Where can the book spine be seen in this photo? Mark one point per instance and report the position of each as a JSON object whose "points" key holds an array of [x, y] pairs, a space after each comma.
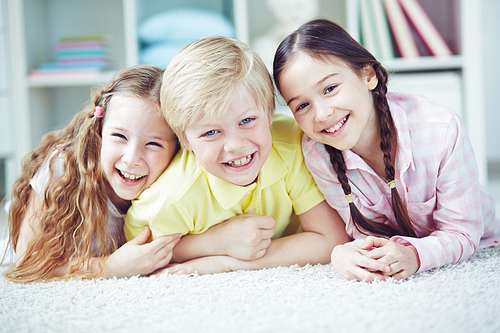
{"points": [[91, 52], [368, 37], [78, 39], [401, 30], [383, 32], [78, 45], [425, 27]]}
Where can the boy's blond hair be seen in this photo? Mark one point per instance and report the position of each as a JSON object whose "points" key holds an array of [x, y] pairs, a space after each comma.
{"points": [[200, 81]]}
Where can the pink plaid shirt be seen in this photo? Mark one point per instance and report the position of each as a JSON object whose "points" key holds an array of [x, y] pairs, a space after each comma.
{"points": [[436, 173]]}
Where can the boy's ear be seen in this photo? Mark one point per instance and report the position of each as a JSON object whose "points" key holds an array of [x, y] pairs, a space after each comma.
{"points": [[271, 118], [371, 77], [188, 145]]}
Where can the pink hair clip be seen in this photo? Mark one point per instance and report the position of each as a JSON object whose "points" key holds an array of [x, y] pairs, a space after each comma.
{"points": [[99, 112]]}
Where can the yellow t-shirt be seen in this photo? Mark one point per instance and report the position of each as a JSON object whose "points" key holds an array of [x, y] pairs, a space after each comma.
{"points": [[188, 199]]}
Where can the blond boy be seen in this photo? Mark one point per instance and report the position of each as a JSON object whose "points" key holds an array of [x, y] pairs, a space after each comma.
{"points": [[237, 166]]}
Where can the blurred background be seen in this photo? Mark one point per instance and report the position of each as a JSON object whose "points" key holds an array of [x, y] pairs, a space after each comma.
{"points": [[53, 51]]}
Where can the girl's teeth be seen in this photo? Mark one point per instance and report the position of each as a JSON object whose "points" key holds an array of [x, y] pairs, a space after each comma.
{"points": [[337, 126], [240, 162], [130, 176]]}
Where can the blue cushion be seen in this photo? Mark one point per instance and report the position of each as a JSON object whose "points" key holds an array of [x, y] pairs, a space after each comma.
{"points": [[160, 54], [184, 24]]}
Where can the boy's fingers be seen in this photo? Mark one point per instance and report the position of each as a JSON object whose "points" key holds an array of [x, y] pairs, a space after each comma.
{"points": [[264, 244], [266, 233], [266, 222], [260, 253]]}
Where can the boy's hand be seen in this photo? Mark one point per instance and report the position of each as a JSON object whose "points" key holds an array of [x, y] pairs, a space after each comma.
{"points": [[402, 260], [352, 263], [245, 236], [138, 257]]}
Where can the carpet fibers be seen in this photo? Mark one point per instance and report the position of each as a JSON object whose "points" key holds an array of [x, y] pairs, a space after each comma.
{"points": [[454, 298]]}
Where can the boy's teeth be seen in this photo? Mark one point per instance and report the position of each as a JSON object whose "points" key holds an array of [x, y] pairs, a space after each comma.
{"points": [[241, 162], [337, 126]]}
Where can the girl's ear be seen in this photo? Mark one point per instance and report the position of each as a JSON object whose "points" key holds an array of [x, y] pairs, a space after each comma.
{"points": [[371, 77]]}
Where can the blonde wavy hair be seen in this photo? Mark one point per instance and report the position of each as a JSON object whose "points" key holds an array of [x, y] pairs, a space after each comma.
{"points": [[74, 214], [200, 81]]}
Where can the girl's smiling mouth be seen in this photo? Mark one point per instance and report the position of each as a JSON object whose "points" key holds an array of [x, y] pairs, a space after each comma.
{"points": [[128, 177], [337, 126]]}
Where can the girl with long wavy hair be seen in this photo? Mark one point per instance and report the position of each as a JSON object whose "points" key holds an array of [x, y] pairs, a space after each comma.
{"points": [[399, 169], [67, 207]]}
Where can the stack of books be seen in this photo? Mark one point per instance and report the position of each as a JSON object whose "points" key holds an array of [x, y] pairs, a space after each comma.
{"points": [[402, 28], [78, 56]]}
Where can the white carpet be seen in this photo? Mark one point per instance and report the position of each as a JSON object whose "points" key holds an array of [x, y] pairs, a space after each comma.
{"points": [[459, 298]]}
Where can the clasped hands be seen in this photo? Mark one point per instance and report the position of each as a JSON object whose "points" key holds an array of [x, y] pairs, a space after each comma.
{"points": [[377, 258]]}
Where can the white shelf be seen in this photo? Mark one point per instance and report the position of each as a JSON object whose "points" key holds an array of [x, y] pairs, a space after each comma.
{"points": [[86, 79], [420, 64]]}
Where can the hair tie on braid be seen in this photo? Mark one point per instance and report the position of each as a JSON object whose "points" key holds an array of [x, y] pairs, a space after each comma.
{"points": [[392, 183], [350, 198]]}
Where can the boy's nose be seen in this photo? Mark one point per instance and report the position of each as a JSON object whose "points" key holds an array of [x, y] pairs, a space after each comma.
{"points": [[234, 142]]}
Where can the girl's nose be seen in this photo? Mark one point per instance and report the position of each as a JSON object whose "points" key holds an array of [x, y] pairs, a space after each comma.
{"points": [[322, 113], [132, 155]]}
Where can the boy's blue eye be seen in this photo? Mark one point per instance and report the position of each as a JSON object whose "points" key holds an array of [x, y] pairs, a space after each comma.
{"points": [[246, 120], [210, 133]]}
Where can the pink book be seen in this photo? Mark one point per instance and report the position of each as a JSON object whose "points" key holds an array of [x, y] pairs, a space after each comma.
{"points": [[425, 27], [78, 45], [401, 30]]}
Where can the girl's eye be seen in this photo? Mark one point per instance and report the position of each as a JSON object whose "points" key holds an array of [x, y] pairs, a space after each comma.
{"points": [[210, 133], [118, 135], [301, 106], [330, 89], [152, 143], [246, 120]]}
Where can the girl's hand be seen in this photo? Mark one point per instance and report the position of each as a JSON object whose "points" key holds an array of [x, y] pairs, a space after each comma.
{"points": [[402, 260], [136, 257], [245, 236], [352, 263], [204, 265]]}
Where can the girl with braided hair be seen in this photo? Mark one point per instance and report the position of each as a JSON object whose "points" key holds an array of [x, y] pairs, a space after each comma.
{"points": [[399, 169], [68, 205]]}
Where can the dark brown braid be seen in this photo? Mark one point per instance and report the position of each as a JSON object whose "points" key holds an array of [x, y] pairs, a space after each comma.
{"points": [[323, 39], [360, 222], [387, 127]]}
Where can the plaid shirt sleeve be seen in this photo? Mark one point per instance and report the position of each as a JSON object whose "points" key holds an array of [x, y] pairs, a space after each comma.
{"points": [[457, 213]]}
